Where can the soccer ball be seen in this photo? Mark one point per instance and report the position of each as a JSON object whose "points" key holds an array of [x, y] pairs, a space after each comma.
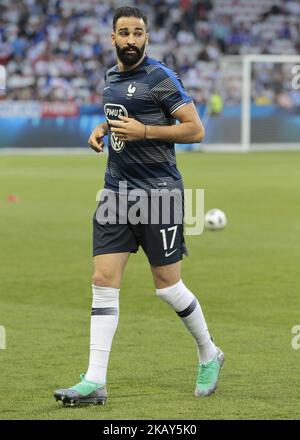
{"points": [[215, 219]]}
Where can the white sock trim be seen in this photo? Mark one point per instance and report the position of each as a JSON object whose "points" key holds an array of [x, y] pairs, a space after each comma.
{"points": [[169, 288], [188, 308], [103, 325], [105, 296], [177, 296]]}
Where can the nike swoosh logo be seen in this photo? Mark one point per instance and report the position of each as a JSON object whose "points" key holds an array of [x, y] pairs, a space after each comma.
{"points": [[169, 254], [105, 88]]}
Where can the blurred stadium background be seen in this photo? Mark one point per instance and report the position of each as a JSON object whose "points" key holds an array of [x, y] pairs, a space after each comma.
{"points": [[55, 54], [238, 59]]}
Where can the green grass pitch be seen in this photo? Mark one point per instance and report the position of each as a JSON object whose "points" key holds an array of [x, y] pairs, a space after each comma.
{"points": [[246, 278]]}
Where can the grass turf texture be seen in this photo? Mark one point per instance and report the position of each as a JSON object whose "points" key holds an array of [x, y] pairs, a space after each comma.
{"points": [[246, 278]]}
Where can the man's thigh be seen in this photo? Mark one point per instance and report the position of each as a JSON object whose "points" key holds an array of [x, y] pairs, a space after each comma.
{"points": [[164, 245], [112, 238], [162, 235]]}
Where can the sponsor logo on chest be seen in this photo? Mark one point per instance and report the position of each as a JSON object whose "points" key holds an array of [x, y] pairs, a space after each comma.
{"points": [[113, 111]]}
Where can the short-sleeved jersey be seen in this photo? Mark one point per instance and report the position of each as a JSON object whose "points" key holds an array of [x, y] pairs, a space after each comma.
{"points": [[150, 93]]}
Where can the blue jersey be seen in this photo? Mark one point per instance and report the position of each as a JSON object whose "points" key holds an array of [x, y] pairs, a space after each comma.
{"points": [[150, 93]]}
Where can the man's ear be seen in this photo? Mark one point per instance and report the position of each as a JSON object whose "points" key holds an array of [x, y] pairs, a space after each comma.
{"points": [[147, 38], [113, 38]]}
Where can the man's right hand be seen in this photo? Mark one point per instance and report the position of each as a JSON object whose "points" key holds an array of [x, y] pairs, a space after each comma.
{"points": [[96, 141]]}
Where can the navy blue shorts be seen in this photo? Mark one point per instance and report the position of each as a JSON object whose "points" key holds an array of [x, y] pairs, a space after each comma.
{"points": [[126, 225]]}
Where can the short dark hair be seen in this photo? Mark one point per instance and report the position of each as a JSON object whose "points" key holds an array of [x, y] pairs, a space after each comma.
{"points": [[128, 11]]}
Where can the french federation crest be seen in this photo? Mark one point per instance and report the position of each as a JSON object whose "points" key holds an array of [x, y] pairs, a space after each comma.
{"points": [[113, 111]]}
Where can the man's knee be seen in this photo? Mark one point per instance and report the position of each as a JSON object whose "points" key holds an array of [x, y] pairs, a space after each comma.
{"points": [[108, 269], [165, 278], [105, 278]]}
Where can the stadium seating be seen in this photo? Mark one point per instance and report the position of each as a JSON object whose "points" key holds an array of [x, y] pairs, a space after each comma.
{"points": [[59, 50]]}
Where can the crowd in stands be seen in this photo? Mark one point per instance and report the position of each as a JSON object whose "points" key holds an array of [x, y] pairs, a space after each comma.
{"points": [[60, 49]]}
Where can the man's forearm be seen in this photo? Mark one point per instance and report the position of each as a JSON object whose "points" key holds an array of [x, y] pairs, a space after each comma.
{"points": [[186, 132]]}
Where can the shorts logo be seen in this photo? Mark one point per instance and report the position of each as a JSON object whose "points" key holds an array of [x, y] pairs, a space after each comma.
{"points": [[113, 111], [168, 254]]}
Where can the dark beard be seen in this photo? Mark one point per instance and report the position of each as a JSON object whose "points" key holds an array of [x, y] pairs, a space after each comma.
{"points": [[129, 59]]}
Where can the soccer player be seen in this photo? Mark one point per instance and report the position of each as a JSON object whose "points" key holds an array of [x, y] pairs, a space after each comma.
{"points": [[142, 101]]}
